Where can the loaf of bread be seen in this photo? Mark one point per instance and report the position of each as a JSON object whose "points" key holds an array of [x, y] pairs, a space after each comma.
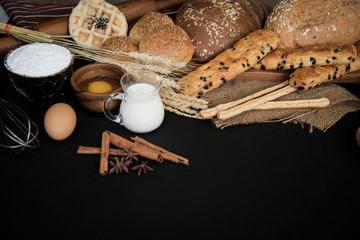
{"points": [[120, 43], [285, 59], [309, 77], [146, 23], [308, 22], [168, 41], [216, 25], [242, 56]]}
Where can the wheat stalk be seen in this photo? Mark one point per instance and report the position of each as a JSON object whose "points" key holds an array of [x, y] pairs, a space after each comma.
{"points": [[170, 70], [130, 61]]}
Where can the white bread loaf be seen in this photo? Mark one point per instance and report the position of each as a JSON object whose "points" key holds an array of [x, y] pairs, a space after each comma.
{"points": [[301, 23]]}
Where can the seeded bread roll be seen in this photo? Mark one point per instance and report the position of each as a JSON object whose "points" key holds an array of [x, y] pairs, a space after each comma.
{"points": [[146, 23], [216, 25], [168, 41], [120, 43], [309, 77], [225, 66], [308, 22], [285, 59]]}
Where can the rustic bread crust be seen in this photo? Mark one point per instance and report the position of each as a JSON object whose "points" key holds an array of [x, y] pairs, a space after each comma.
{"points": [[146, 23], [168, 41], [215, 25], [242, 56], [120, 43], [285, 59], [309, 77], [308, 22]]}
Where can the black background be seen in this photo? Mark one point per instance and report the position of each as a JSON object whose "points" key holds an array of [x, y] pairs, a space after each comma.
{"points": [[257, 181]]}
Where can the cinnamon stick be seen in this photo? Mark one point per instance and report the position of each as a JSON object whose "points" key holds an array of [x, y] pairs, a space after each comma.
{"points": [[165, 153], [105, 146], [97, 150], [142, 150]]}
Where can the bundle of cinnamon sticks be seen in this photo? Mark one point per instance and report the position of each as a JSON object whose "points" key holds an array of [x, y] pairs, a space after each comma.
{"points": [[139, 146]]}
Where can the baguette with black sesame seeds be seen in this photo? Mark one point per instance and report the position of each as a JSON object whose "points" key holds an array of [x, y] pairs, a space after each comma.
{"points": [[285, 59], [309, 77], [225, 66]]}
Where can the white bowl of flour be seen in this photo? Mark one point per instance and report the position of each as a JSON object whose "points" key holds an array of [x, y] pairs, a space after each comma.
{"points": [[39, 71]]}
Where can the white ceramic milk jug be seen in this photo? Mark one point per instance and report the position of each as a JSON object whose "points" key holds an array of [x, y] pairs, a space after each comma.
{"points": [[141, 108]]}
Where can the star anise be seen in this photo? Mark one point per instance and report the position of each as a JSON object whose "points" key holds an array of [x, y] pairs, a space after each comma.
{"points": [[143, 167], [130, 154], [119, 165]]}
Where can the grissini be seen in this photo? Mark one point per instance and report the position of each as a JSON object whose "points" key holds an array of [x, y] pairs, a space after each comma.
{"points": [[212, 112]]}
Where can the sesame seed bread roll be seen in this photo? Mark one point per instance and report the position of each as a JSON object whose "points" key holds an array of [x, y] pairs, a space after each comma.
{"points": [[309, 77], [285, 59], [215, 25], [168, 41], [146, 23], [225, 66], [121, 44], [301, 23]]}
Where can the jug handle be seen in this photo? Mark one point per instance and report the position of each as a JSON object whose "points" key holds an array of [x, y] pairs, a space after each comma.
{"points": [[106, 107]]}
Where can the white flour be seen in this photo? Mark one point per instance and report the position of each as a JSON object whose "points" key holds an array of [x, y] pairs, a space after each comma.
{"points": [[39, 59]]}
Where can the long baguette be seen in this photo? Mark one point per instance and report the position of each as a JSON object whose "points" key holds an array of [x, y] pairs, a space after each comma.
{"points": [[309, 77], [225, 66], [285, 59]]}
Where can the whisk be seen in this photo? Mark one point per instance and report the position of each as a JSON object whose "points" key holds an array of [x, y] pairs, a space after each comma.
{"points": [[19, 130]]}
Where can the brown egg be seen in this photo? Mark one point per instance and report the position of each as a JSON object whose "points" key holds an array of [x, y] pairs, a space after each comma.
{"points": [[60, 121]]}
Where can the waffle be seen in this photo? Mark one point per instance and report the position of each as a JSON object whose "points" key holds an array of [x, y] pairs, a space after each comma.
{"points": [[93, 21]]}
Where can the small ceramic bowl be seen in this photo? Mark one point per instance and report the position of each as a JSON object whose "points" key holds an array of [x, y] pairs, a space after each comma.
{"points": [[87, 74], [39, 71]]}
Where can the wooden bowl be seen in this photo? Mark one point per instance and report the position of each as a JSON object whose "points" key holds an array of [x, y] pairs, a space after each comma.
{"points": [[83, 76]]}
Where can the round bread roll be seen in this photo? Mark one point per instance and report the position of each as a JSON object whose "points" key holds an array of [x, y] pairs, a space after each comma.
{"points": [[308, 22], [215, 25], [146, 23], [168, 41], [120, 43]]}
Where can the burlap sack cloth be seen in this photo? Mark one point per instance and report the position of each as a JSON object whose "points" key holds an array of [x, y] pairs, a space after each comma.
{"points": [[341, 103]]}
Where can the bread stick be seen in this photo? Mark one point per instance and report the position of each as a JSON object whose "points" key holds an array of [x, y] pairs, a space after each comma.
{"points": [[244, 54], [255, 102], [285, 59], [212, 112], [311, 103]]}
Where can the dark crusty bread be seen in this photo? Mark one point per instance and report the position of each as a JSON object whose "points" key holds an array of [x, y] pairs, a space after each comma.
{"points": [[302, 23], [120, 43], [225, 66], [146, 23], [309, 77], [169, 41], [285, 59], [215, 25]]}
